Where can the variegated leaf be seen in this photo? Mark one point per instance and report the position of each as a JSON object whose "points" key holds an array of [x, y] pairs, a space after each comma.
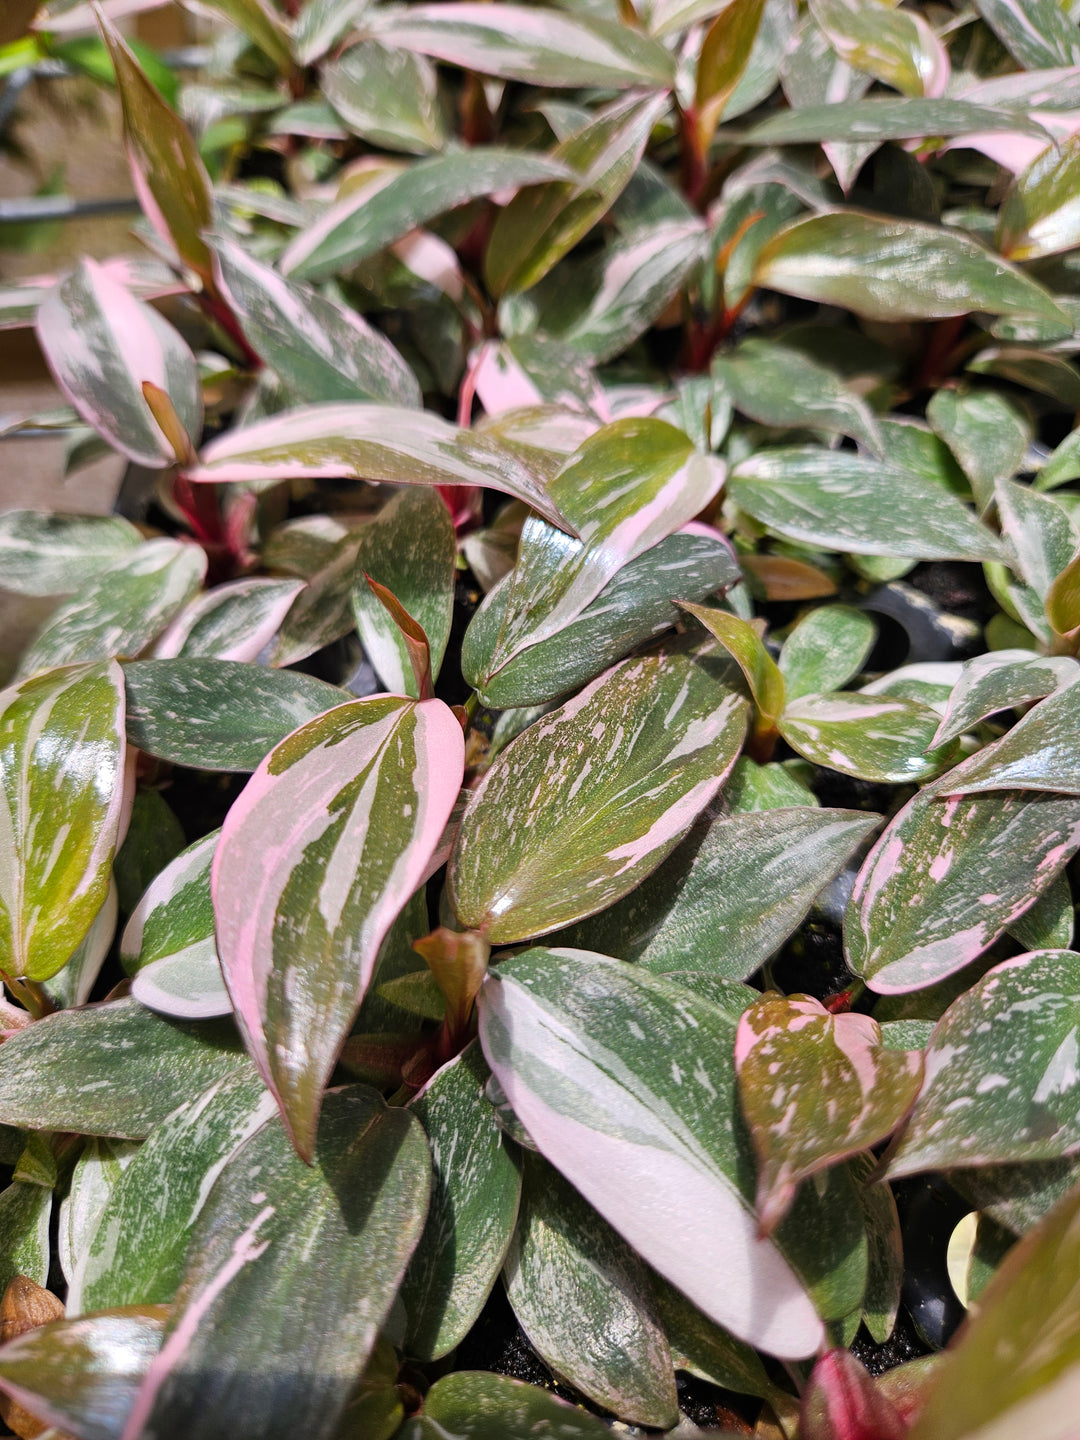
{"points": [[219, 714], [476, 1405], [115, 1069], [1002, 680], [102, 346], [318, 349], [136, 1253], [175, 914], [874, 737], [730, 895], [72, 984], [252, 1298], [947, 877], [988, 434], [1038, 753], [825, 650], [633, 758], [628, 487], [25, 1213], [371, 442], [231, 622], [815, 1088], [1037, 32], [585, 1301], [82, 1376], [63, 802], [317, 856], [476, 1184], [387, 96], [745, 646], [410, 548], [1002, 1072], [893, 45], [122, 610], [571, 1037], [96, 1174], [43, 554]]}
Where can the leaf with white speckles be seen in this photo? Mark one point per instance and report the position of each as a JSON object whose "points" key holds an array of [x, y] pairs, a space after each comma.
{"points": [[63, 800], [231, 622], [476, 1184], [25, 1210], [219, 714], [175, 911], [317, 857], [96, 1174], [1038, 753], [947, 877], [654, 1143], [589, 800], [136, 1254], [826, 649], [873, 737], [476, 1405], [44, 554], [1002, 1071], [1002, 680], [122, 609], [815, 1088], [289, 1260], [730, 895]]}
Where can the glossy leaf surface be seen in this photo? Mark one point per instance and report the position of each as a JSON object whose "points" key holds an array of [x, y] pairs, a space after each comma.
{"points": [[235, 621], [825, 650], [639, 784], [874, 737], [43, 554], [480, 1406], [1002, 680], [1038, 753]]}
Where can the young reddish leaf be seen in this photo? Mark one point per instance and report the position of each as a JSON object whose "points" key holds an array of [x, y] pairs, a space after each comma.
{"points": [[412, 633], [743, 642], [815, 1088], [169, 176], [104, 348], [63, 803], [372, 442], [458, 963], [724, 55], [948, 876], [841, 1402], [1002, 1078], [317, 856]]}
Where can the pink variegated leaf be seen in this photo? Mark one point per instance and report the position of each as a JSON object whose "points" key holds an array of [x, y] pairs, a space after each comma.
{"points": [[102, 346], [328, 840], [64, 802], [372, 442], [231, 622], [842, 1402], [815, 1089], [948, 876], [584, 804]]}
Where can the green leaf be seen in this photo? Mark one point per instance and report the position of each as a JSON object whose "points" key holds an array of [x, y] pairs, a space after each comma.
{"points": [[1001, 680], [371, 442], [1038, 532], [947, 877], [1050, 922], [815, 1088], [1038, 753], [135, 1255], [571, 1037], [169, 176], [476, 1185], [540, 225], [323, 610], [826, 649], [626, 488], [1037, 370], [633, 607], [986, 432], [97, 1171], [476, 1405], [122, 610], [263, 26], [115, 1069], [1063, 464], [851, 503], [873, 737], [219, 714], [722, 61], [1001, 1072], [62, 763], [44, 554], [372, 217], [727, 898], [317, 857], [885, 269], [72, 984], [885, 1270], [83, 1375], [884, 118], [1062, 603], [1040, 214], [895, 46], [635, 279], [387, 97], [25, 1211], [778, 386], [288, 1259], [175, 913], [103, 345], [1037, 32], [746, 647], [584, 1300], [537, 45], [409, 547], [632, 759], [318, 349], [321, 23]]}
